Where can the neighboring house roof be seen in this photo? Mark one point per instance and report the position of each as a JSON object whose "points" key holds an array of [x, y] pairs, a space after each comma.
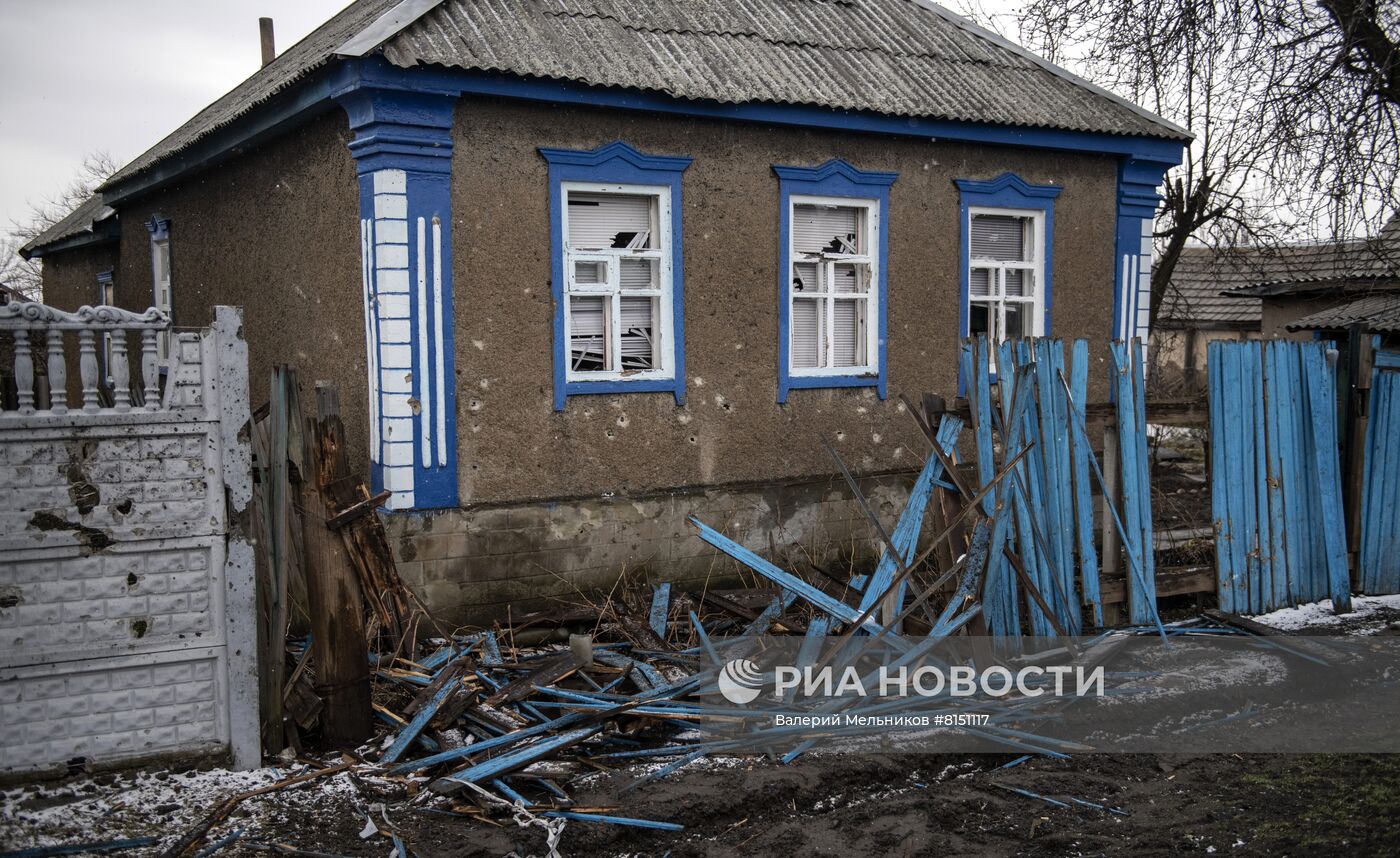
{"points": [[83, 225], [1326, 266], [1193, 299], [1378, 312], [1222, 288], [907, 58]]}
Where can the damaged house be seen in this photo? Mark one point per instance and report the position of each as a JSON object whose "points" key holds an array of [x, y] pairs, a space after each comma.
{"points": [[583, 269]]}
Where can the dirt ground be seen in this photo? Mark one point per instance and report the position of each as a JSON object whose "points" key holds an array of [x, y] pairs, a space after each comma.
{"points": [[824, 804], [859, 805]]}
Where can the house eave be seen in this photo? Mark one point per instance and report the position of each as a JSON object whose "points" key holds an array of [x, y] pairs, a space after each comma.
{"points": [[314, 96]]}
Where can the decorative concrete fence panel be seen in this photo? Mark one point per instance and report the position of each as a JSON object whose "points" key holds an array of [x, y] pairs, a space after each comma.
{"points": [[126, 578]]}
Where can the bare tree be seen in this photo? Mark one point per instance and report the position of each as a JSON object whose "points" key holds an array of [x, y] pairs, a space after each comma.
{"points": [[1292, 105], [26, 275]]}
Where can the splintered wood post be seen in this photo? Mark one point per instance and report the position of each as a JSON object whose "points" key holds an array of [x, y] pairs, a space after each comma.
{"points": [[337, 613], [1112, 613], [389, 600]]}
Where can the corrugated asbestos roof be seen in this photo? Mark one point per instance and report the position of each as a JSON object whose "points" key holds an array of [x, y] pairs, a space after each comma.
{"points": [[895, 57], [80, 220], [1379, 312]]}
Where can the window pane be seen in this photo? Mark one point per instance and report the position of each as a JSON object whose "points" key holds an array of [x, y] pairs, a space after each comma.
{"points": [[851, 278], [978, 319], [1001, 237], [590, 273], [980, 282], [832, 229], [640, 274], [1017, 282], [162, 263], [848, 333], [804, 277], [806, 342], [638, 341], [1018, 320], [601, 221], [588, 341]]}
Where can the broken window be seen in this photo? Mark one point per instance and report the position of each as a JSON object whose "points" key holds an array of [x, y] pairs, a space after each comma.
{"points": [[617, 298], [832, 299], [1004, 274]]}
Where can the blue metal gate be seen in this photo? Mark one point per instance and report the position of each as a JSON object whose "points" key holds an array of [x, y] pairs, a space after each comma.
{"points": [[1380, 498], [1276, 495]]}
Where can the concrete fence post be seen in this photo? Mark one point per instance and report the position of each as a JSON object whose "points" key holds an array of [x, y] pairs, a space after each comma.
{"points": [[228, 380]]}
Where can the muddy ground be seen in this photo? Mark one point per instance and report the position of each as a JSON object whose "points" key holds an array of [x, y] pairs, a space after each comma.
{"points": [[823, 804], [902, 805]]}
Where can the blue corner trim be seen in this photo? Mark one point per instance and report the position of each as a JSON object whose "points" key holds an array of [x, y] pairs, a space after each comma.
{"points": [[158, 227], [1007, 191], [835, 178], [618, 163], [1138, 180], [401, 126]]}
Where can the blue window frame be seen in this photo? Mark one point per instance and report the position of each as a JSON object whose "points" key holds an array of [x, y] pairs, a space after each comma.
{"points": [[615, 235], [1007, 227], [832, 288]]}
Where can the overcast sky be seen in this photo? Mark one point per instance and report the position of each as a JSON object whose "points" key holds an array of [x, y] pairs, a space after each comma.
{"points": [[79, 76]]}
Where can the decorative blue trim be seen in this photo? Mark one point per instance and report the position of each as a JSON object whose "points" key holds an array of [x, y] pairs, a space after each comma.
{"points": [[565, 92], [835, 178], [403, 126], [1138, 180], [313, 97], [1007, 191], [159, 228], [616, 163]]}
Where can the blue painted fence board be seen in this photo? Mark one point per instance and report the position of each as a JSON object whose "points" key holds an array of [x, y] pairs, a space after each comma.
{"points": [[1380, 503], [1275, 475]]}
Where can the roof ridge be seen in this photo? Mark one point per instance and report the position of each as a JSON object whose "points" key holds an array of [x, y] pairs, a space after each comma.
{"points": [[1059, 71], [742, 34]]}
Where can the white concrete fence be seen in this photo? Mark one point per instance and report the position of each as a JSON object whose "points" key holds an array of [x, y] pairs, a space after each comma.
{"points": [[127, 625]]}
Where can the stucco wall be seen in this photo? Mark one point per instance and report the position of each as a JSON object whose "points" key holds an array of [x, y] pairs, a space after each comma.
{"points": [[70, 279], [274, 231], [513, 446]]}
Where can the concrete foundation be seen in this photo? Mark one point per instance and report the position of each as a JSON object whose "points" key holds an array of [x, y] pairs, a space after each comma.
{"points": [[470, 566]]}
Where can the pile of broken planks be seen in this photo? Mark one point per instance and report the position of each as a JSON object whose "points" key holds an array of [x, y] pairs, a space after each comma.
{"points": [[495, 720], [495, 723]]}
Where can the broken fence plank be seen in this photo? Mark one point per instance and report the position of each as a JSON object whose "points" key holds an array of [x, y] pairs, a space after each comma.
{"points": [[1035, 795], [419, 721], [512, 760], [911, 519], [488, 744], [77, 848], [786, 580], [614, 820], [660, 609]]}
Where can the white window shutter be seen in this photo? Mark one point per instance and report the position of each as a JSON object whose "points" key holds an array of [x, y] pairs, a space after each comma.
{"points": [[805, 334], [596, 221], [848, 344], [815, 226], [999, 237]]}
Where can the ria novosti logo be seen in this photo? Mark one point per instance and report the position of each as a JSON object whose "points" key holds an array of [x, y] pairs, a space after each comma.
{"points": [[741, 681]]}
